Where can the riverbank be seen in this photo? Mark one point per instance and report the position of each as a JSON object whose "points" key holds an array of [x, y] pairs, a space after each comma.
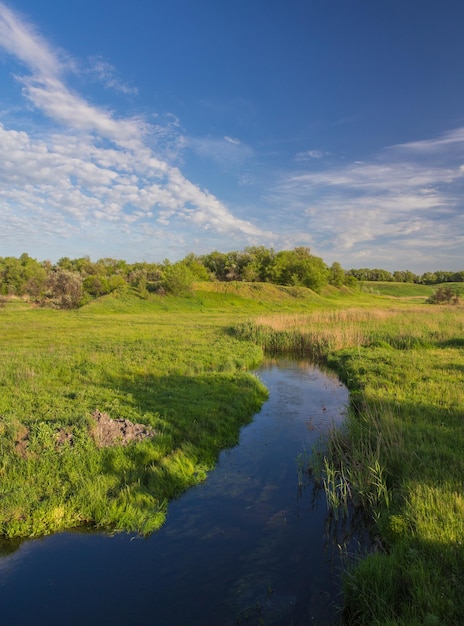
{"points": [[247, 546], [399, 455], [161, 365]]}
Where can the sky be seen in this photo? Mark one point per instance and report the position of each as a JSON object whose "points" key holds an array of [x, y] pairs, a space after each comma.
{"points": [[150, 129]]}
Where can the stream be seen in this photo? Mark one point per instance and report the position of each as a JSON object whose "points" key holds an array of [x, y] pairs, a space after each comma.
{"points": [[248, 546]]}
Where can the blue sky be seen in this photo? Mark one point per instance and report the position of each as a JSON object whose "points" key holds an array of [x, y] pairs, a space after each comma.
{"points": [[151, 129]]}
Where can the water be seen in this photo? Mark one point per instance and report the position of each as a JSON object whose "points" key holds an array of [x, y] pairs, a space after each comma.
{"points": [[248, 546]]}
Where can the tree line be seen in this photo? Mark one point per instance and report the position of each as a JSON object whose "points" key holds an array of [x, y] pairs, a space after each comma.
{"points": [[69, 283], [406, 276]]}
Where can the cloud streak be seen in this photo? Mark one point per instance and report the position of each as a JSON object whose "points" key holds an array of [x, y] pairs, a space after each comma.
{"points": [[92, 166], [396, 208]]}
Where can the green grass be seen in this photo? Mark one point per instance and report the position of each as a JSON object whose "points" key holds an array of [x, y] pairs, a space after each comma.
{"points": [[399, 290], [398, 455], [407, 291], [154, 362]]}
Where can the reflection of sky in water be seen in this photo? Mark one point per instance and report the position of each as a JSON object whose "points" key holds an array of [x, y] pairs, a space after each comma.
{"points": [[246, 546]]}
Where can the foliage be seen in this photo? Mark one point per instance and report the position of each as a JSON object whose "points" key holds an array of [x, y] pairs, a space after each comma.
{"points": [[406, 276], [177, 279], [444, 295], [26, 277], [64, 289], [299, 267]]}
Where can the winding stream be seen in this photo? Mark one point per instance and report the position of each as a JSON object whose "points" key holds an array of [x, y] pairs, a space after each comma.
{"points": [[245, 547]]}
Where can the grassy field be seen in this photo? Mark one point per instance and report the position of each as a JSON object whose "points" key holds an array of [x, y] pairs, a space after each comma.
{"points": [[180, 366], [166, 364], [407, 291]]}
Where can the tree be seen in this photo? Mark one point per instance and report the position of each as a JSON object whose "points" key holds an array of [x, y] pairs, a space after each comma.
{"points": [[177, 279], [405, 276], [299, 267], [96, 285], [260, 262], [197, 268], [336, 275], [65, 288]]}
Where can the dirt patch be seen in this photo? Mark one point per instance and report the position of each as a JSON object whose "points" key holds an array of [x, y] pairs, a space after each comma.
{"points": [[22, 441], [64, 436], [117, 432]]}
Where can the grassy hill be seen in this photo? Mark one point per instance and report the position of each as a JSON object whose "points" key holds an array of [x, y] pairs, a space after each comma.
{"points": [[410, 291]]}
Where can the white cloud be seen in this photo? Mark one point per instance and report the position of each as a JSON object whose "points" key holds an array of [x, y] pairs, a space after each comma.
{"points": [[397, 202], [105, 73], [94, 167], [225, 151], [308, 155], [454, 136], [23, 42], [232, 140]]}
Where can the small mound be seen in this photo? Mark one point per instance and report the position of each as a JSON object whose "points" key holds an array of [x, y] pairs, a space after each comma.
{"points": [[117, 432]]}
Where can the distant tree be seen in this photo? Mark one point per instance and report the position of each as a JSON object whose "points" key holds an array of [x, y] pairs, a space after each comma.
{"points": [[177, 279], [337, 275], [428, 278], [443, 277], [116, 282], [11, 276], [65, 263], [405, 276], [197, 268], [65, 289], [299, 267], [458, 277], [216, 263], [368, 274], [96, 285], [23, 276], [259, 264]]}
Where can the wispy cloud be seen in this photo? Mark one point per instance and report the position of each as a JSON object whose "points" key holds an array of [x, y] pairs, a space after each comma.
{"points": [[93, 166], [103, 72], [397, 207], [226, 151], [308, 155], [445, 140], [232, 140]]}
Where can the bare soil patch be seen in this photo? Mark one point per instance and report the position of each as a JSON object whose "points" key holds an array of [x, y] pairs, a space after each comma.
{"points": [[117, 432], [22, 441]]}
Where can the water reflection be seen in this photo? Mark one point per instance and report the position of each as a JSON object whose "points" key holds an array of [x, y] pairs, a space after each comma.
{"points": [[245, 547]]}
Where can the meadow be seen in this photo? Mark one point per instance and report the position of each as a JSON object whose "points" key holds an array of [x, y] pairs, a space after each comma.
{"points": [[156, 363], [181, 367]]}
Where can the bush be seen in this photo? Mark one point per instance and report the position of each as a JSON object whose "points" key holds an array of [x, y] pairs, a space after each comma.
{"points": [[444, 295], [177, 279], [65, 289]]}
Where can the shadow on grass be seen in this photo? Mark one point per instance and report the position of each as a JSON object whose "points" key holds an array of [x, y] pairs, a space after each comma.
{"points": [[455, 342], [195, 417]]}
